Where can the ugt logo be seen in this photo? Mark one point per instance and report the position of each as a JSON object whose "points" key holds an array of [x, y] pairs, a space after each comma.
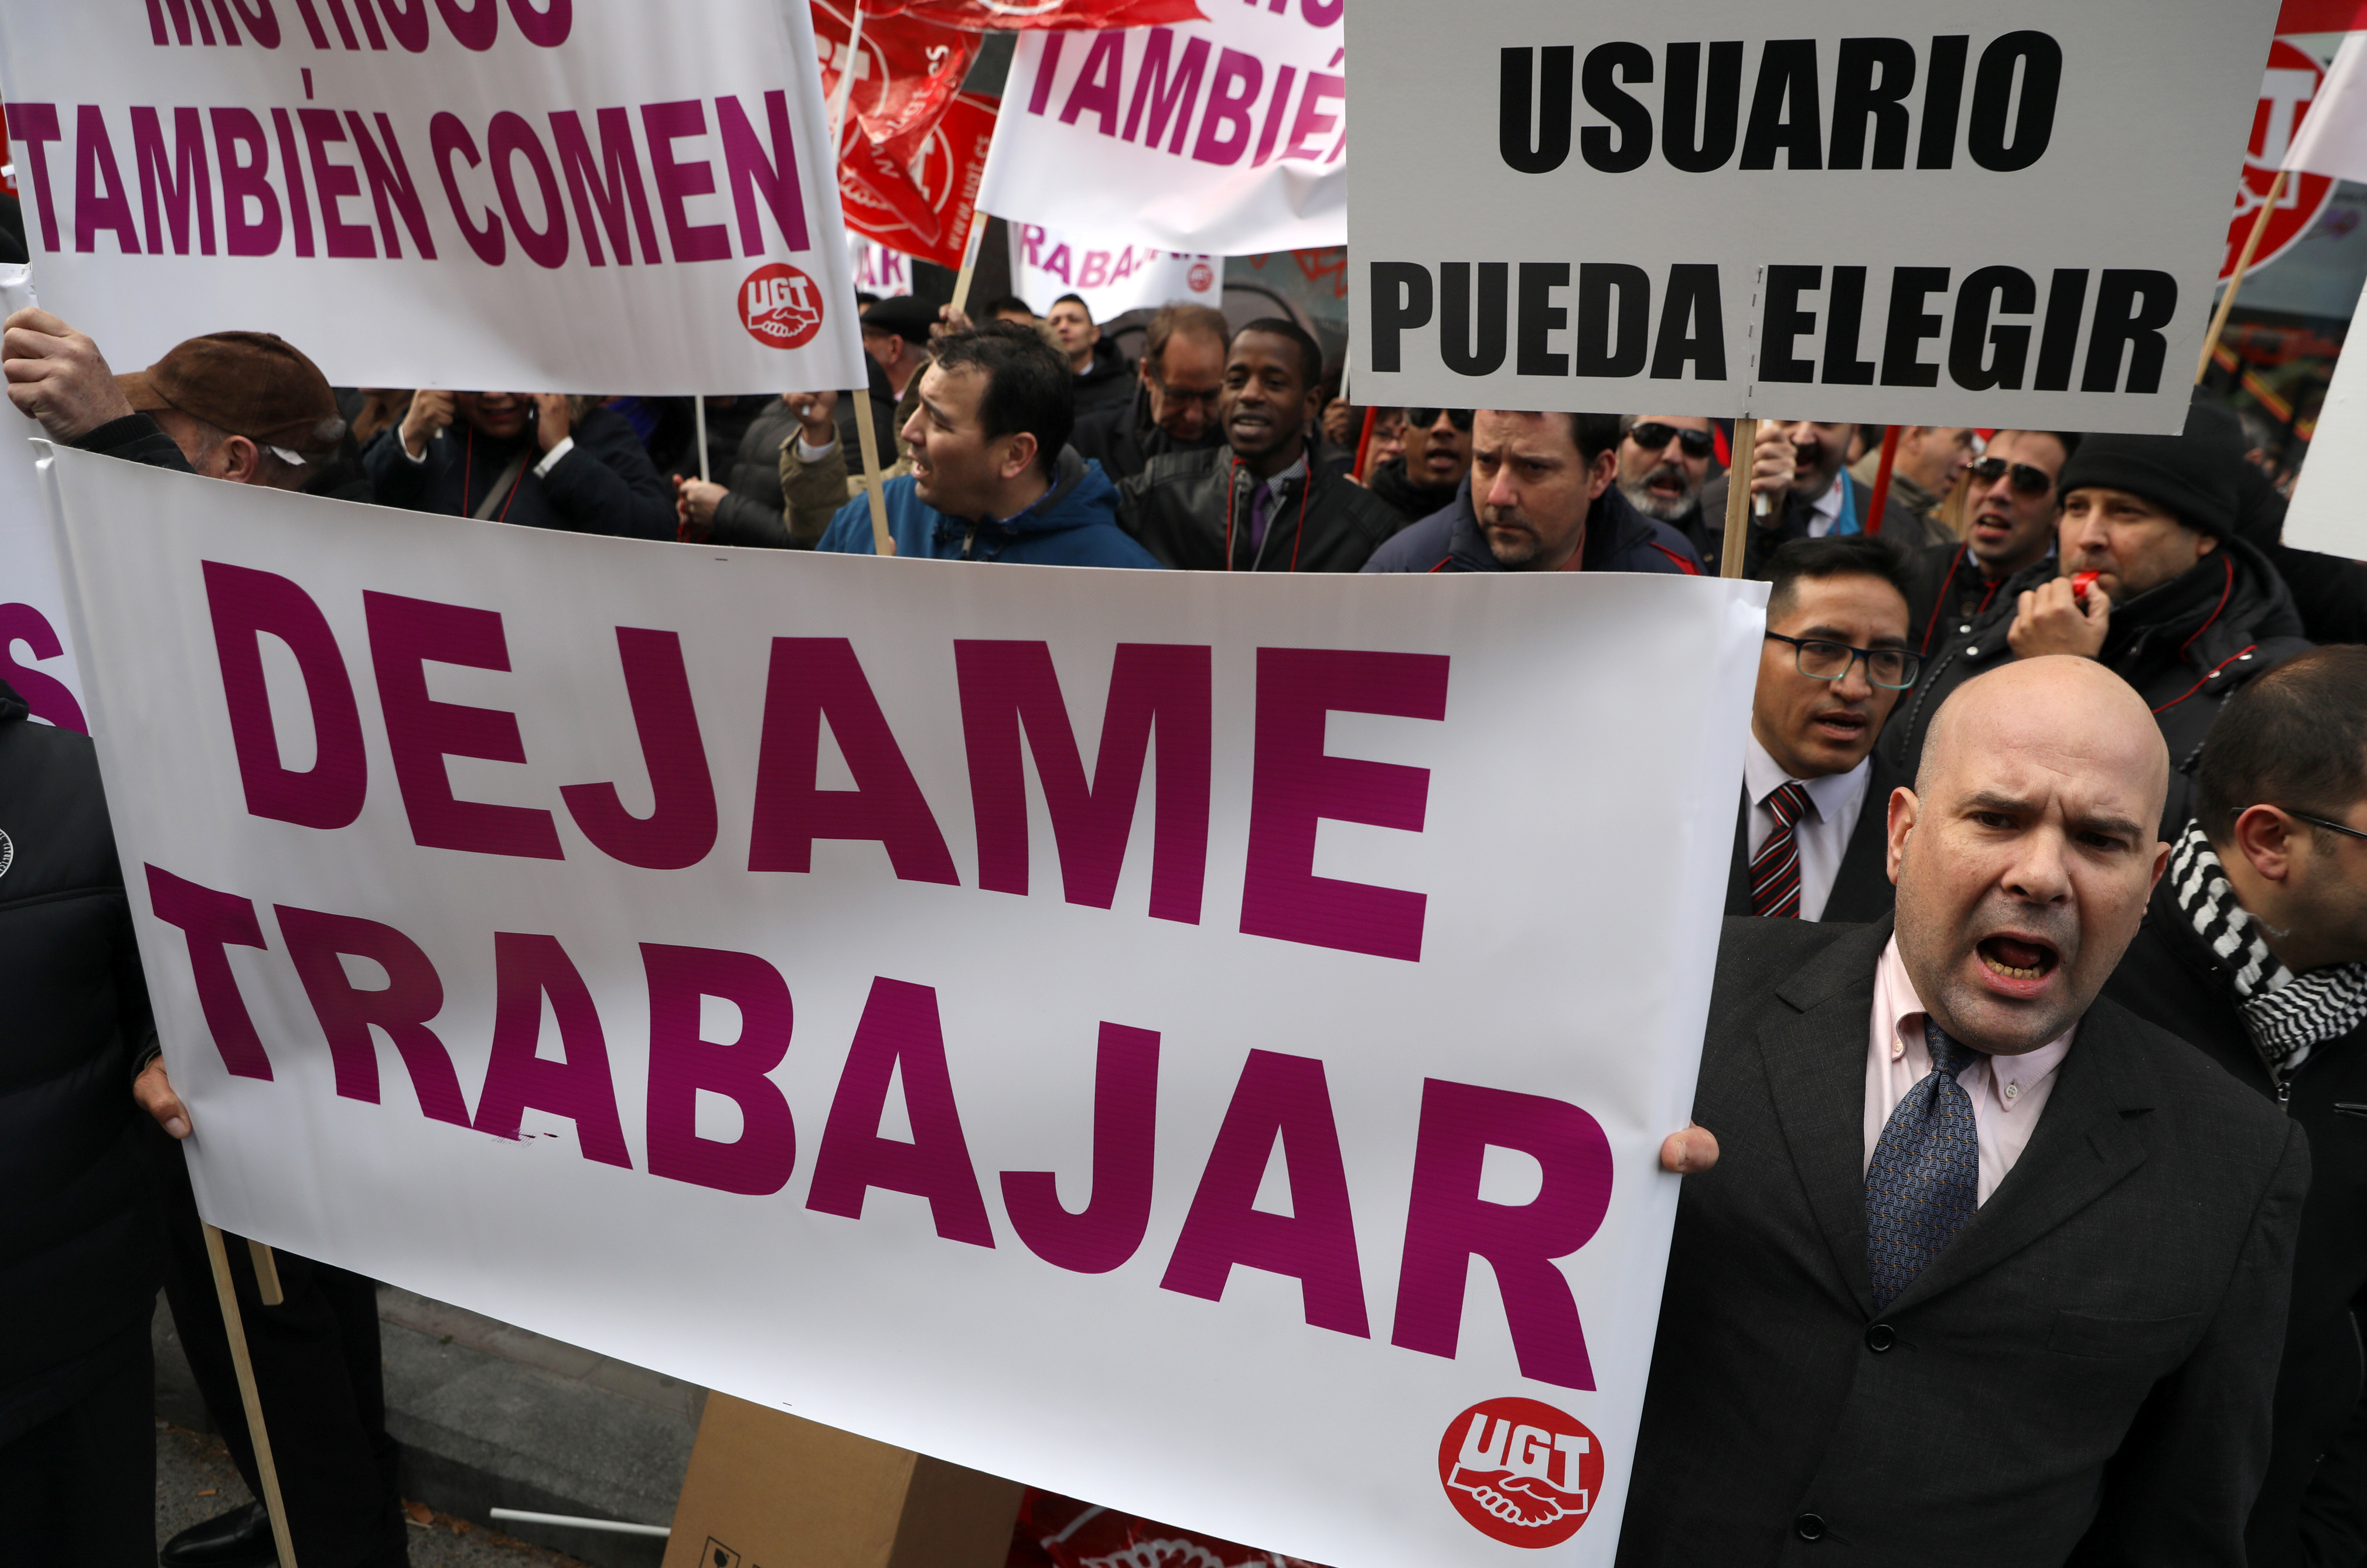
{"points": [[1520, 1471], [780, 306]]}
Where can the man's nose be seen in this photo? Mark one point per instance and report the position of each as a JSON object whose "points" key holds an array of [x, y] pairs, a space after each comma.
{"points": [[2039, 873], [1501, 490], [1856, 685]]}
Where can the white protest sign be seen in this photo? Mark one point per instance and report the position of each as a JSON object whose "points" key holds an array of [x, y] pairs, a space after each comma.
{"points": [[34, 656], [878, 269], [1227, 136], [1703, 206], [1333, 863], [1110, 277], [528, 196], [2324, 514]]}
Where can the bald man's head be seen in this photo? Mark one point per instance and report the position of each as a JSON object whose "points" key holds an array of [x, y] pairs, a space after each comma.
{"points": [[2027, 848]]}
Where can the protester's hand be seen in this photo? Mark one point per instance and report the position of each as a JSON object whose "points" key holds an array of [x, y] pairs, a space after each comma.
{"points": [[950, 321], [1338, 425], [381, 406], [1772, 466], [430, 411], [817, 416], [551, 414], [2049, 620], [694, 501], [58, 377], [153, 1090], [1689, 1153]]}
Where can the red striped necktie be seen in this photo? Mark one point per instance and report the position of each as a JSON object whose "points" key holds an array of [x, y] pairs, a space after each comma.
{"points": [[1775, 869]]}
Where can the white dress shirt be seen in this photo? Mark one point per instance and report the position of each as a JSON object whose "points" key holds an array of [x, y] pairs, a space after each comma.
{"points": [[1825, 512], [2008, 1092], [1823, 831]]}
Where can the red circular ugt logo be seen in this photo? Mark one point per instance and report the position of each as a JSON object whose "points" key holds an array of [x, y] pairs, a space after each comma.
{"points": [[1520, 1471], [780, 306]]}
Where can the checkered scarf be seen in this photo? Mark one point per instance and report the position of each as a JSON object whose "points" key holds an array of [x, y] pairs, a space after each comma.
{"points": [[2286, 1015]]}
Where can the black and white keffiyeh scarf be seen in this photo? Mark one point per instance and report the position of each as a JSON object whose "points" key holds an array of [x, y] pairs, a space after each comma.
{"points": [[2286, 1015]]}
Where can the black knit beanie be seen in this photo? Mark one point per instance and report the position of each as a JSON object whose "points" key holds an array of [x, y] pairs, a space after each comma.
{"points": [[2192, 476]]}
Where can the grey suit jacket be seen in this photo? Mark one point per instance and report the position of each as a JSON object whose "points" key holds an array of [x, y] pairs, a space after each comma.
{"points": [[2083, 1376]]}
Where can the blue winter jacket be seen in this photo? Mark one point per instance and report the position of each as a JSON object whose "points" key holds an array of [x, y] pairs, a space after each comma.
{"points": [[1075, 523]]}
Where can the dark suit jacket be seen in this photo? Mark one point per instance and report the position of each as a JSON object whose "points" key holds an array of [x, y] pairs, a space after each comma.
{"points": [[1861, 889], [2084, 1375]]}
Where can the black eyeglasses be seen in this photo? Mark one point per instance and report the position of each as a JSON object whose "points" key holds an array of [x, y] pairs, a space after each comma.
{"points": [[2027, 481], [1184, 395], [2322, 822], [1653, 436], [1893, 669], [1422, 419]]}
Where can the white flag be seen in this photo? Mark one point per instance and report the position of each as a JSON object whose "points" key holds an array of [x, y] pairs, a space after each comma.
{"points": [[2333, 135]]}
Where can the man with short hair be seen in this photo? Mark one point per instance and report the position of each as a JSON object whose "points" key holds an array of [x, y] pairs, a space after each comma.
{"points": [[1104, 377], [1664, 462], [2010, 509], [2254, 950], [1811, 841], [1799, 466], [539, 459], [1434, 455], [994, 475], [1174, 409], [896, 333], [1989, 1270], [2177, 605], [1010, 308], [1540, 497], [1258, 503], [1923, 470]]}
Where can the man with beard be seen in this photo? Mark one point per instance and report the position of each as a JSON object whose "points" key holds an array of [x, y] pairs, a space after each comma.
{"points": [[1810, 843], [1434, 453], [1797, 467], [2010, 511], [1990, 1270], [1174, 409], [1540, 497], [2165, 597], [1923, 470], [1663, 465], [1258, 503]]}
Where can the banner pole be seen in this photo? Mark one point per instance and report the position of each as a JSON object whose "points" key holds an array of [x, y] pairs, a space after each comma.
{"points": [[2236, 278], [267, 1273], [846, 81], [883, 542], [970, 244], [698, 421], [235, 1327], [1882, 478], [1738, 498]]}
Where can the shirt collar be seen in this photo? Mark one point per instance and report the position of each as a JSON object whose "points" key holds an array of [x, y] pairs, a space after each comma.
{"points": [[1762, 776], [1830, 503], [1903, 1013]]}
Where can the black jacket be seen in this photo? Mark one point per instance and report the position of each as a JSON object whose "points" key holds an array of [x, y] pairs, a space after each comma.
{"points": [[2313, 1509], [1619, 538], [756, 513], [1410, 501], [2083, 1376], [2185, 645], [1861, 889], [81, 1254], [1108, 382], [606, 485], [1949, 591], [1123, 440], [1185, 507]]}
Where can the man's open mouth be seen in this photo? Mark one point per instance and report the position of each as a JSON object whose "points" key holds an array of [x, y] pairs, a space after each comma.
{"points": [[1842, 724], [2018, 958]]}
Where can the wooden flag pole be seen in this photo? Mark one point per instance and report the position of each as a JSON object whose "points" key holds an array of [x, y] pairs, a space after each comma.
{"points": [[971, 243], [235, 1327], [698, 419], [882, 543], [267, 1273], [1738, 497], [1881, 496], [2236, 279]]}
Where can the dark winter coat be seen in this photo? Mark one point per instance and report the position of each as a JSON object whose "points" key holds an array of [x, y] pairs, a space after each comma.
{"points": [[1949, 591], [1108, 382], [1408, 500], [1187, 508], [1619, 538], [755, 513], [605, 485], [1123, 440]]}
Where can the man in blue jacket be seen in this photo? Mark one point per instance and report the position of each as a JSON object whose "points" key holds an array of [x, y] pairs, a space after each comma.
{"points": [[1539, 498], [994, 475]]}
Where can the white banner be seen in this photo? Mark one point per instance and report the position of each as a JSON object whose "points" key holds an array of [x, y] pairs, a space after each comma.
{"points": [[878, 269], [1111, 278], [1227, 136], [539, 196], [858, 1076], [1667, 206], [34, 657], [2324, 514]]}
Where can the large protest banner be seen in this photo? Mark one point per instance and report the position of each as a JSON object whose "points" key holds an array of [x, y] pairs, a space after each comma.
{"points": [[1110, 277], [2007, 216], [1227, 136], [518, 937], [35, 658], [529, 197]]}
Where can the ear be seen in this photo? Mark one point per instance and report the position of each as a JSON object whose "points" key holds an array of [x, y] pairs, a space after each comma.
{"points": [[1601, 472], [1019, 455], [1904, 810], [2269, 838], [239, 459], [2204, 544]]}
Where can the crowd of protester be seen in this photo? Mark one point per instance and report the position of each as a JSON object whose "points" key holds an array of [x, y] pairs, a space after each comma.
{"points": [[2076, 684]]}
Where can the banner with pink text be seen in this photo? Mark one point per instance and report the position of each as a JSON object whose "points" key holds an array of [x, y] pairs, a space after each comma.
{"points": [[1110, 277], [525, 194], [35, 658], [1227, 136], [666, 949]]}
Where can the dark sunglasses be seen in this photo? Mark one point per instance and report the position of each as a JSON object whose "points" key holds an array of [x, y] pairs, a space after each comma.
{"points": [[1653, 436], [1422, 419], [2027, 481]]}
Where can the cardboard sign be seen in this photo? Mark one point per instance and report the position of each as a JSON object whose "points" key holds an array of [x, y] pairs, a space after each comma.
{"points": [[1110, 278], [34, 656], [531, 197], [508, 913], [2006, 219]]}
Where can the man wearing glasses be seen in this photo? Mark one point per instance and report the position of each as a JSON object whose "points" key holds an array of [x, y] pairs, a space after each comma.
{"points": [[1434, 455], [2254, 950], [1173, 408], [2010, 513], [1811, 842], [1663, 464]]}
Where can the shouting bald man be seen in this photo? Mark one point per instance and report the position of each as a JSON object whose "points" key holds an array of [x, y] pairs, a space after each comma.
{"points": [[1990, 1271]]}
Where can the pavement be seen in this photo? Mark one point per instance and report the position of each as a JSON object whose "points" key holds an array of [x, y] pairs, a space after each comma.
{"points": [[488, 1415]]}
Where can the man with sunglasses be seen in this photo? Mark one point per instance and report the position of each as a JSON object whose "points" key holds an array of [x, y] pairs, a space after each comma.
{"points": [[1174, 409], [1434, 453], [2010, 510], [2254, 950], [1810, 843], [1664, 462]]}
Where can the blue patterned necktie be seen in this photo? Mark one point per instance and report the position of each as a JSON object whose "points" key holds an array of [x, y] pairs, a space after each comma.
{"points": [[1925, 1180]]}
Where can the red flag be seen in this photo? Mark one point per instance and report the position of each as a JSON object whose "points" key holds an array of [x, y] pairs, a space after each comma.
{"points": [[2319, 17], [908, 71], [918, 193], [1020, 16]]}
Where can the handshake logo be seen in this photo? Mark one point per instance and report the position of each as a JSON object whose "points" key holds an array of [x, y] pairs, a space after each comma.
{"points": [[1520, 1471]]}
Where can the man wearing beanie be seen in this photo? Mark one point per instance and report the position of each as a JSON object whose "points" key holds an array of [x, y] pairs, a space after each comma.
{"points": [[2180, 607]]}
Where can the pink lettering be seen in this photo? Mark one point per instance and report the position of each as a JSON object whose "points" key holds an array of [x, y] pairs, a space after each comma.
{"points": [[213, 923], [752, 173], [527, 968], [1232, 97], [446, 136], [683, 1062], [1126, 1124], [899, 1035], [245, 607], [100, 200], [1312, 119], [678, 182], [180, 178], [332, 183], [509, 137], [34, 127], [616, 183], [242, 155], [299, 210], [1166, 98], [1100, 82], [45, 694], [390, 180], [402, 1006], [681, 825]]}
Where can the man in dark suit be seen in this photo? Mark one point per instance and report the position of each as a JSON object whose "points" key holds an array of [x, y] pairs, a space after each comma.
{"points": [[1810, 841], [1988, 1271]]}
